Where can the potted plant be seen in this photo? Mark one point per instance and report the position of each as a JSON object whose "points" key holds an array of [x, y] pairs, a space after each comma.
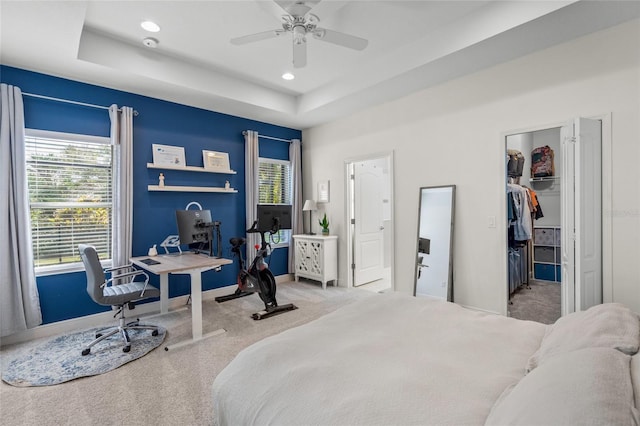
{"points": [[324, 223]]}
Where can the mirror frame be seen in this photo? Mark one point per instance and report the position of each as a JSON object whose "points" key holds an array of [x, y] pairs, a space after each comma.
{"points": [[449, 291]]}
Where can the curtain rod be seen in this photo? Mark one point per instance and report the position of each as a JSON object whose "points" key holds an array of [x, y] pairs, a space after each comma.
{"points": [[244, 133], [71, 102]]}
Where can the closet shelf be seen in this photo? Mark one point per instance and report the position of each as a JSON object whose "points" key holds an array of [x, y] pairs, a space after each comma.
{"points": [[544, 179], [189, 169]]}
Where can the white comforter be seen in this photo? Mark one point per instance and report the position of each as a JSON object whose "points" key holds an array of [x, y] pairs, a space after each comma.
{"points": [[390, 359]]}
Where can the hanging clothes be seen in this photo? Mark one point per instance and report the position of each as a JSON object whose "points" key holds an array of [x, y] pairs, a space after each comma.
{"points": [[522, 225], [537, 209]]}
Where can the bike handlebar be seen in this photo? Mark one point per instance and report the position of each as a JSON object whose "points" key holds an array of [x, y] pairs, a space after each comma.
{"points": [[254, 228]]}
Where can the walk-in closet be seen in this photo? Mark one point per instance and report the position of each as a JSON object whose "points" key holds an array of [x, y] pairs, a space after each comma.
{"points": [[557, 238], [534, 168]]}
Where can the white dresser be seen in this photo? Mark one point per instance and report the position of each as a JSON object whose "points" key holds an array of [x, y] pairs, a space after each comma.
{"points": [[316, 258]]}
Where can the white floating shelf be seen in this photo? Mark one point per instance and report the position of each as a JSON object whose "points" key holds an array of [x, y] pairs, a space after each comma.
{"points": [[190, 189], [189, 169]]}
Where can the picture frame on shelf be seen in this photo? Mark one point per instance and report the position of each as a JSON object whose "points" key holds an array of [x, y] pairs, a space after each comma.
{"points": [[217, 161], [167, 155], [323, 191]]}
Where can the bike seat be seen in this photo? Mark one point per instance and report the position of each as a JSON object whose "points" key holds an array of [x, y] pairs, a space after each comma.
{"points": [[237, 241]]}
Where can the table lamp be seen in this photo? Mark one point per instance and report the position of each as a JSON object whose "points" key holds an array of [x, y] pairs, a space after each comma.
{"points": [[309, 206]]}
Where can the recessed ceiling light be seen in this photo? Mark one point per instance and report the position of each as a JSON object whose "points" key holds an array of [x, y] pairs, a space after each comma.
{"points": [[288, 76], [150, 26]]}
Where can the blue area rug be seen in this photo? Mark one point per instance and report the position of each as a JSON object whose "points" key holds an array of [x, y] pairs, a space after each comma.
{"points": [[59, 360]]}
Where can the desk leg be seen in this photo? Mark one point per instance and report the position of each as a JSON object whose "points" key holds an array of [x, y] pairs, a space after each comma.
{"points": [[196, 305], [164, 293], [196, 314]]}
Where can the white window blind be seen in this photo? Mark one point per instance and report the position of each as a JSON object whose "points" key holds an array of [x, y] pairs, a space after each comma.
{"points": [[70, 193], [274, 187]]}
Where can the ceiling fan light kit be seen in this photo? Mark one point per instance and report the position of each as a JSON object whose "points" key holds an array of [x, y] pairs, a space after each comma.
{"points": [[299, 22], [299, 33]]}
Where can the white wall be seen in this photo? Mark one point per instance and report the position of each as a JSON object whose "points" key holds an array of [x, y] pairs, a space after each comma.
{"points": [[453, 134]]}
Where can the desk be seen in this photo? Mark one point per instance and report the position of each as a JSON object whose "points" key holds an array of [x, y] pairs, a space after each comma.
{"points": [[186, 263]]}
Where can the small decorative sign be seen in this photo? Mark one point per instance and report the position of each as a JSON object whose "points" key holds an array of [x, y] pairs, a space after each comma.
{"points": [[323, 191], [166, 155], [217, 161]]}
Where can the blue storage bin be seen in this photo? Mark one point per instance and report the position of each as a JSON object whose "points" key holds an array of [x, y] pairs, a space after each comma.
{"points": [[545, 272]]}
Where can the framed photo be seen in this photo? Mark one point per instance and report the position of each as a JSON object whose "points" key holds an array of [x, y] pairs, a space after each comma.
{"points": [[323, 191], [167, 155], [214, 160]]}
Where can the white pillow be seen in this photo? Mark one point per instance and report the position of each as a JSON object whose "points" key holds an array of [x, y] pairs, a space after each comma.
{"points": [[588, 386], [610, 325]]}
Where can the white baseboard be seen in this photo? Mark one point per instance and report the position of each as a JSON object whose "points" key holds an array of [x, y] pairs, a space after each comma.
{"points": [[284, 278], [103, 318], [473, 308]]}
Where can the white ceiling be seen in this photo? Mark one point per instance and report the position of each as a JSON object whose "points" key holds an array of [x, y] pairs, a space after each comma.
{"points": [[412, 45]]}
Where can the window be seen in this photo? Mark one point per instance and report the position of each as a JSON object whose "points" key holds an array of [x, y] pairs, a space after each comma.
{"points": [[274, 187], [70, 195]]}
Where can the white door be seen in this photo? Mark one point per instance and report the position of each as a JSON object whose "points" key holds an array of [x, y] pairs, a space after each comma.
{"points": [[581, 215], [368, 224]]}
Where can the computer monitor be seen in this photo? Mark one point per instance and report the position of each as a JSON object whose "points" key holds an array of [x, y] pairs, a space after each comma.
{"points": [[273, 217], [424, 245], [194, 226]]}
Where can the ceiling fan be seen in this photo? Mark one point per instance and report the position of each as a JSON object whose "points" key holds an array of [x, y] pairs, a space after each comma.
{"points": [[300, 22]]}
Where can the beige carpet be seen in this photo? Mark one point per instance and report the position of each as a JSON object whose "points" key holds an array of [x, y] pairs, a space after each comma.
{"points": [[539, 303], [174, 387]]}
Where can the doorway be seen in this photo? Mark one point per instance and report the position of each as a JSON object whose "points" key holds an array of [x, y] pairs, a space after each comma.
{"points": [[534, 230], [569, 250], [369, 196]]}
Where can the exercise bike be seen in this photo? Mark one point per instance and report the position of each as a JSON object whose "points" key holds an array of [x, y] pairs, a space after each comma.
{"points": [[258, 278]]}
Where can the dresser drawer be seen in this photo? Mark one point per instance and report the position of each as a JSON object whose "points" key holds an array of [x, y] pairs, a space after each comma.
{"points": [[544, 254], [544, 236]]}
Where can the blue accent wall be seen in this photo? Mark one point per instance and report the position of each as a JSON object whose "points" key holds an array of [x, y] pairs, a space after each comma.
{"points": [[64, 296]]}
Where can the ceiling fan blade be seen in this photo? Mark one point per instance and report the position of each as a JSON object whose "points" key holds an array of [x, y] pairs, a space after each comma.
{"points": [[297, 8], [341, 39], [271, 8], [299, 55], [256, 37]]}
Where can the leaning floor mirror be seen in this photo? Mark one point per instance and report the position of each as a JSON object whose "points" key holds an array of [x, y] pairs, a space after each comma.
{"points": [[434, 259]]}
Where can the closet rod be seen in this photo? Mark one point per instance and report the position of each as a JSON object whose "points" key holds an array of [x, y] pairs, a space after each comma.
{"points": [[49, 98], [244, 133]]}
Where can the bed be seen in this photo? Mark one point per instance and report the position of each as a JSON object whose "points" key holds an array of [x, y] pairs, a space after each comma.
{"points": [[392, 359]]}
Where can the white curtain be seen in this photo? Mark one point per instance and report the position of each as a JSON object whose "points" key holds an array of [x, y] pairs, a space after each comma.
{"points": [[251, 188], [20, 303], [122, 141], [295, 158]]}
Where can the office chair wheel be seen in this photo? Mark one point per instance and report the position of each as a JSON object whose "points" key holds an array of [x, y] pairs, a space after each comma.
{"points": [[86, 351], [154, 333], [126, 348]]}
